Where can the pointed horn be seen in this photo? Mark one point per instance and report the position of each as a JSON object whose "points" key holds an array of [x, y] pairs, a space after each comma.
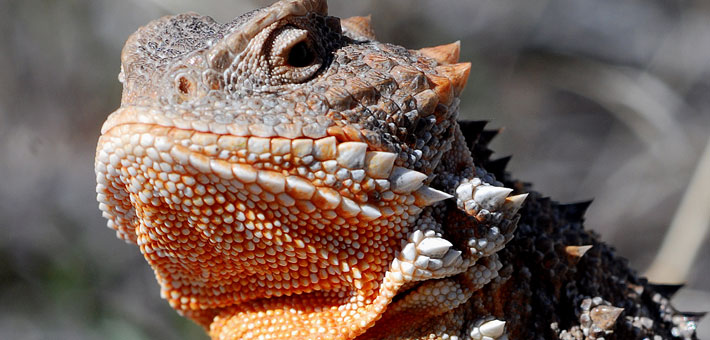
{"points": [[379, 164], [514, 203], [577, 251], [605, 316], [434, 247], [443, 88], [457, 73], [492, 329], [491, 197], [404, 181], [351, 155], [443, 54], [361, 26], [427, 196], [369, 212]]}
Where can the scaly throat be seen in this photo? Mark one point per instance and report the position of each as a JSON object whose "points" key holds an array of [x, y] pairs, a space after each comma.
{"points": [[302, 232]]}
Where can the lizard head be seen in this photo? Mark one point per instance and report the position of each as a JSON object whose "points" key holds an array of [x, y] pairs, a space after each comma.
{"points": [[270, 169]]}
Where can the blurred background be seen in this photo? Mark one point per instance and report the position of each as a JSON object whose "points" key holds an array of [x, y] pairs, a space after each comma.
{"points": [[603, 99]]}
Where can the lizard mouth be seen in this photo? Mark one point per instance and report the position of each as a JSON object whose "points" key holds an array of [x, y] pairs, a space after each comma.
{"points": [[241, 223]]}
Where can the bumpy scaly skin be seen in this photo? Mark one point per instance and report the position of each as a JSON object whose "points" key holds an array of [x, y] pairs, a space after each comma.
{"points": [[287, 176]]}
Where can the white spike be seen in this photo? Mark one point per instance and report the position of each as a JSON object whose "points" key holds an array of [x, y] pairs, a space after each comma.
{"points": [[490, 197], [427, 196], [435, 247], [299, 188], [244, 173], [272, 181], [326, 198], [422, 262], [464, 191], [396, 276], [352, 154], [406, 268], [379, 163], [451, 257], [417, 236], [404, 181], [513, 203], [369, 212], [348, 208], [435, 264], [493, 328], [324, 148], [409, 252]]}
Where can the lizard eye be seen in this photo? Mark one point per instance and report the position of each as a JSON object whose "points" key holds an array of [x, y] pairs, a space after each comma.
{"points": [[301, 55], [293, 57]]}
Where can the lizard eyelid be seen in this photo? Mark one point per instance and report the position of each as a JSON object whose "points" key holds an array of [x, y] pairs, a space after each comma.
{"points": [[292, 56]]}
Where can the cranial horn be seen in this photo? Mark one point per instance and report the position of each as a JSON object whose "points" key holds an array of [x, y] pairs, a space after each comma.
{"points": [[427, 196], [457, 73], [442, 87], [443, 54], [359, 26], [605, 316], [577, 251]]}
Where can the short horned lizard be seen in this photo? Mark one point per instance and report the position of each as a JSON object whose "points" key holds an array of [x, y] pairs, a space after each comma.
{"points": [[287, 176]]}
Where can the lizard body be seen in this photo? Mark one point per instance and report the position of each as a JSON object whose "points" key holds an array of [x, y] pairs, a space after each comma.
{"points": [[288, 176]]}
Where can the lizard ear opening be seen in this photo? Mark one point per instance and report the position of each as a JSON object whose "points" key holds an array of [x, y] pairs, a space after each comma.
{"points": [[184, 85]]}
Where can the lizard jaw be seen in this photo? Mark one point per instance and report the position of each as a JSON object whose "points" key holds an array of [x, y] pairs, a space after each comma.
{"points": [[283, 217], [243, 220]]}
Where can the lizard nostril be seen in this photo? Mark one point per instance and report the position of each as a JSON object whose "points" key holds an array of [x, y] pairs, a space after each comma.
{"points": [[184, 85], [300, 55]]}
